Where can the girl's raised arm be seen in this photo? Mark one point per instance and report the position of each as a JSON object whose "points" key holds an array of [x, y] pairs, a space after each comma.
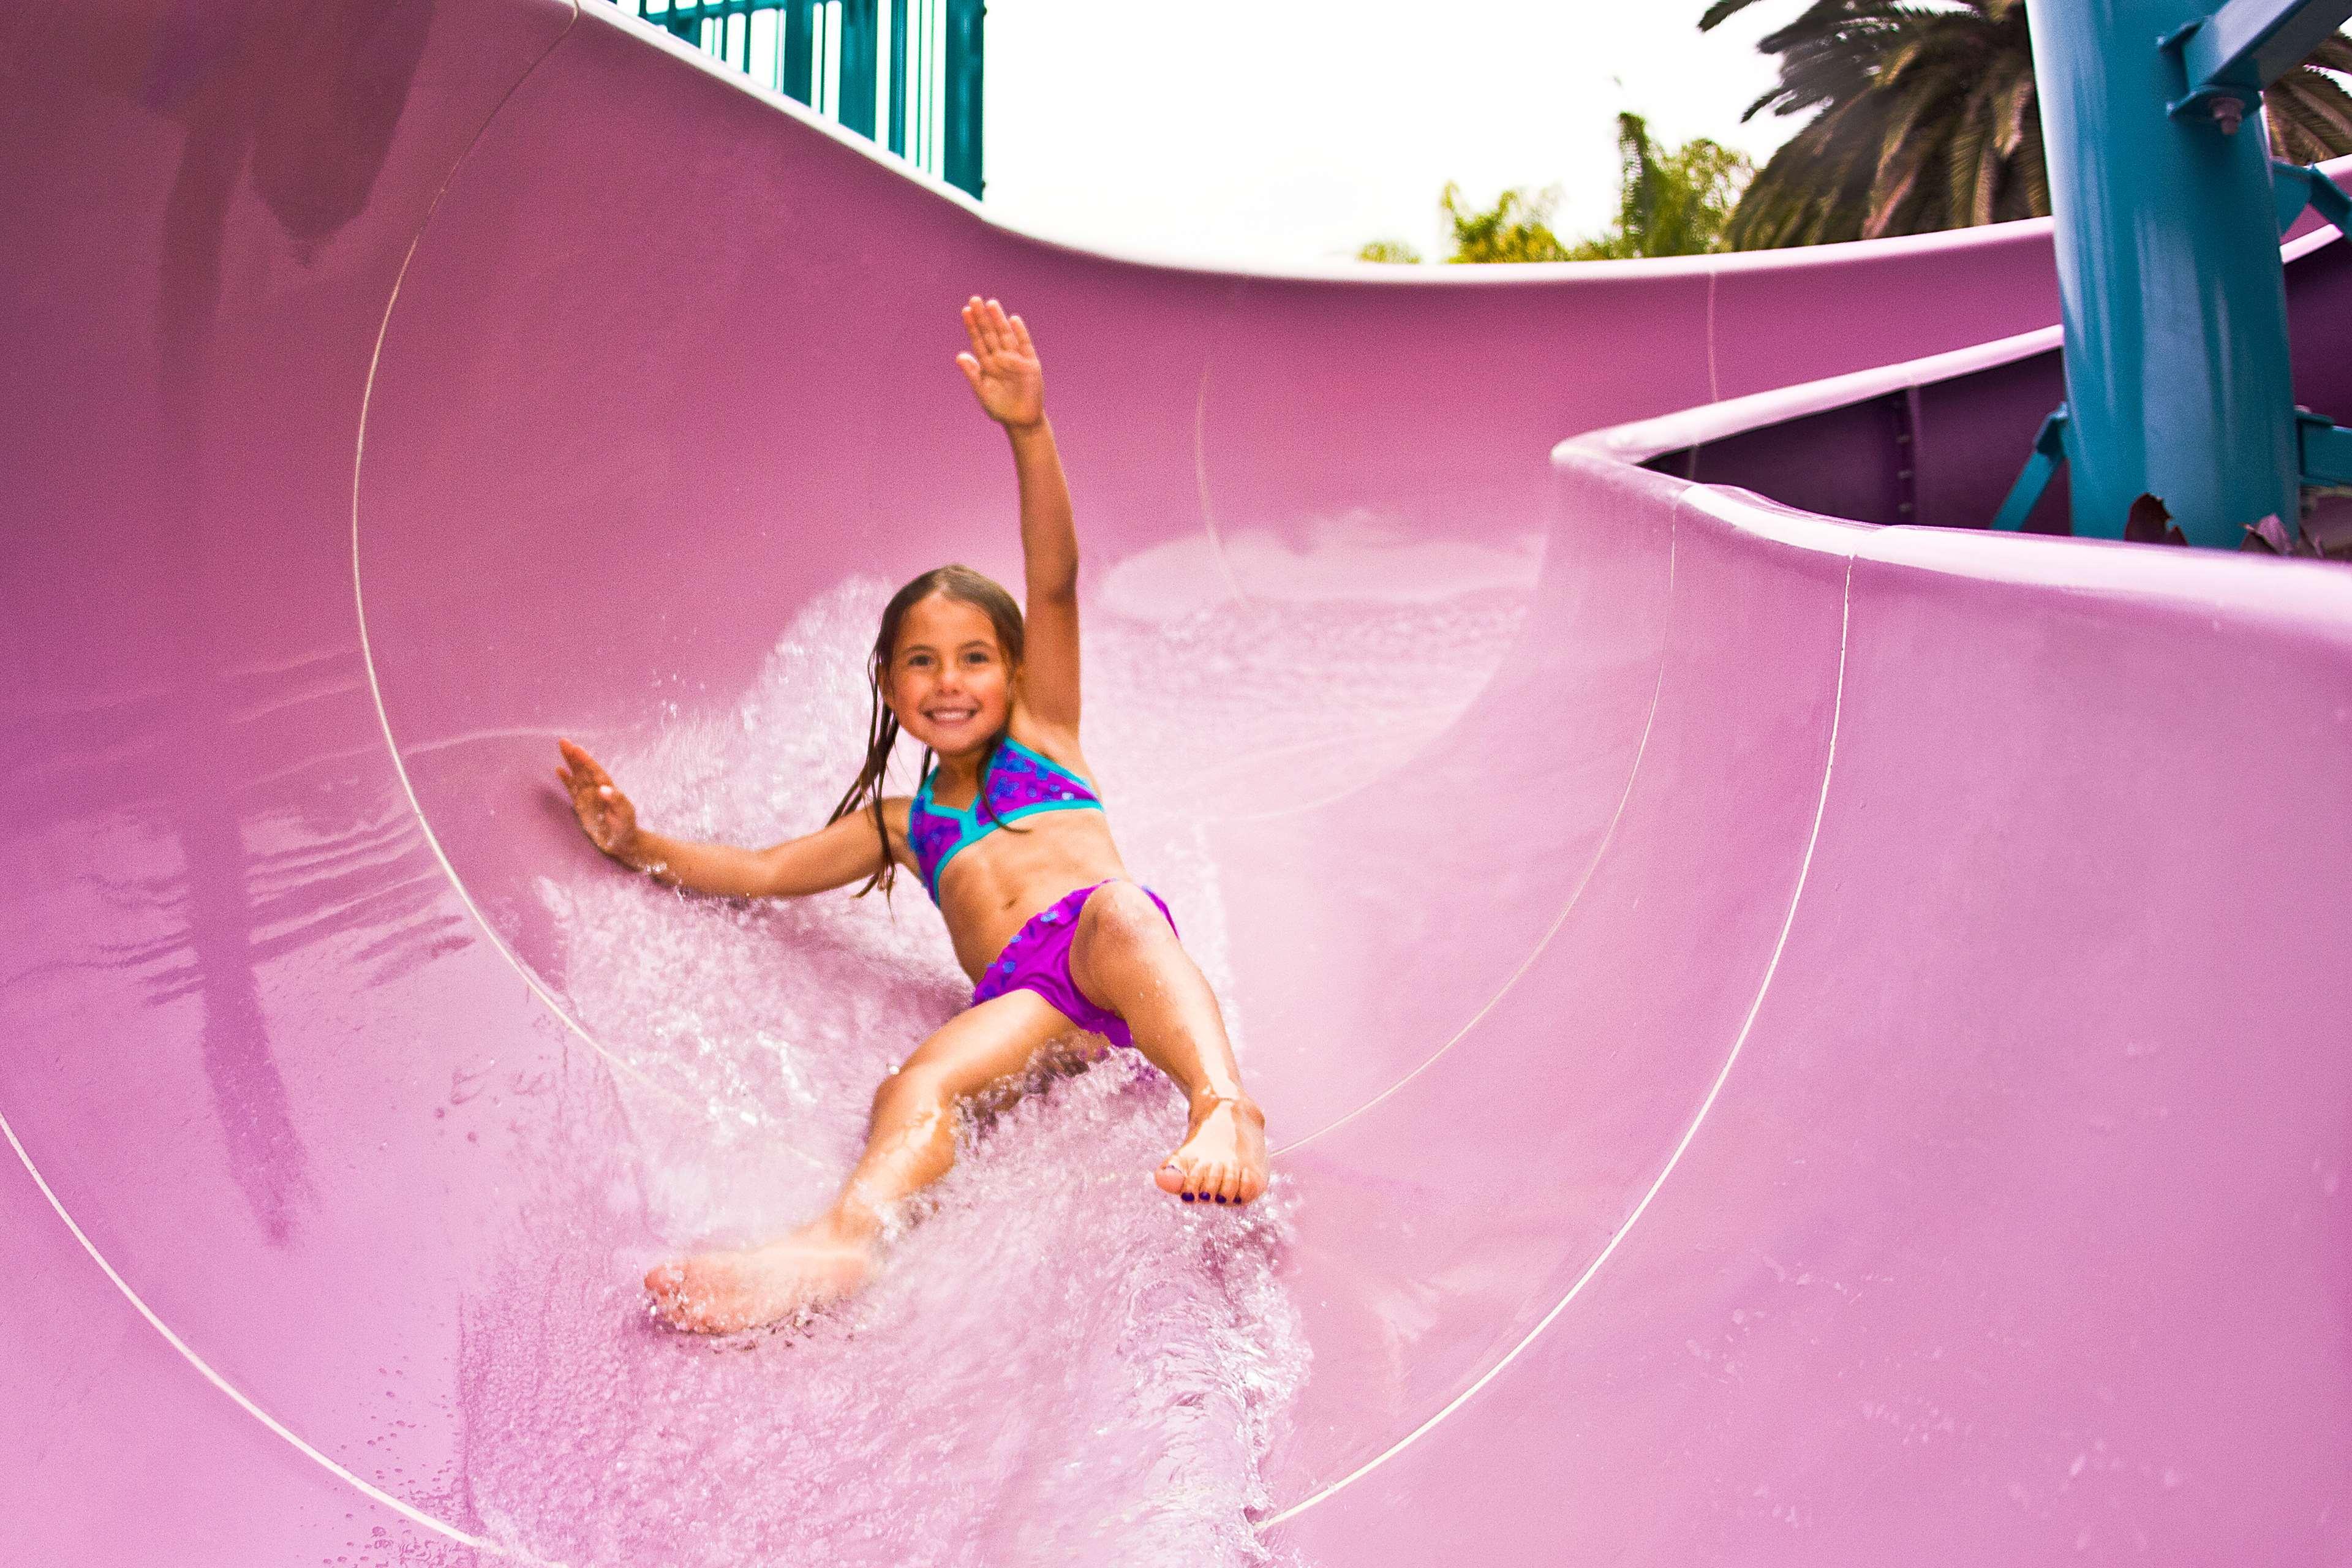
{"points": [[1010, 382]]}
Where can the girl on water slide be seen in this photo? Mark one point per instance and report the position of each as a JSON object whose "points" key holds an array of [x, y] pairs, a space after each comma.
{"points": [[1008, 833]]}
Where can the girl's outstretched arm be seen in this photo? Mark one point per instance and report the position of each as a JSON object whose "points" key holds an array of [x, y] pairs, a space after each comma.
{"points": [[833, 857], [1010, 382]]}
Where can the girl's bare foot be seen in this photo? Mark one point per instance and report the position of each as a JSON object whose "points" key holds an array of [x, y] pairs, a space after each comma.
{"points": [[726, 1293], [1223, 1157]]}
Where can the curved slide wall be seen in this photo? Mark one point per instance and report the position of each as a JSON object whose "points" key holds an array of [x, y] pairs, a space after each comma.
{"points": [[1868, 1080]]}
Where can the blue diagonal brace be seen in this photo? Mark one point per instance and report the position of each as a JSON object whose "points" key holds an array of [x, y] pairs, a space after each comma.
{"points": [[2333, 202], [2327, 451], [2302, 185], [2049, 451]]}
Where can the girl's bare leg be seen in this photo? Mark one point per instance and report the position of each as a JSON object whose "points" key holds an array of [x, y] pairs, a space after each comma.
{"points": [[1125, 958], [909, 1144]]}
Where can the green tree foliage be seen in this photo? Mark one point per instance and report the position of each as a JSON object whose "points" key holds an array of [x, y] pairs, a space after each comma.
{"points": [[1674, 201], [1517, 227], [1670, 201], [1924, 117]]}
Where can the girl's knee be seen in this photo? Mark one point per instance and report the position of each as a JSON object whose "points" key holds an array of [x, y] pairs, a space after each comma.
{"points": [[911, 1088], [1124, 912]]}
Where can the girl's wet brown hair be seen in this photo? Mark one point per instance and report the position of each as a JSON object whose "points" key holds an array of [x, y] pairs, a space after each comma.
{"points": [[965, 586]]}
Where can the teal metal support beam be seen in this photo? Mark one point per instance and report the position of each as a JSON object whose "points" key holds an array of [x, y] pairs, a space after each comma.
{"points": [[2049, 451], [2177, 383], [2247, 44]]}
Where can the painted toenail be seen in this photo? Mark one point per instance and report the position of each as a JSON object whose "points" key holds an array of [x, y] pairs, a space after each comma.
{"points": [[1221, 1197]]}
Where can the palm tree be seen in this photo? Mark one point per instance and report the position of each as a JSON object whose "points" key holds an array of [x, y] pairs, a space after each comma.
{"points": [[1924, 117]]}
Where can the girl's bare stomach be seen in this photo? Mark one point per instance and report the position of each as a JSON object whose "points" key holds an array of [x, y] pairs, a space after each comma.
{"points": [[992, 889]]}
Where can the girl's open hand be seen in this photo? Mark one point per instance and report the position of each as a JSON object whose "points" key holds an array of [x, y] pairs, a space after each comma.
{"points": [[1002, 365], [604, 813]]}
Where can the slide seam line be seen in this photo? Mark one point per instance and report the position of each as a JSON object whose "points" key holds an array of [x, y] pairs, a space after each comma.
{"points": [[1592, 868], [367, 652], [188, 1353], [24, 1156], [1714, 380], [1200, 483], [1795, 899]]}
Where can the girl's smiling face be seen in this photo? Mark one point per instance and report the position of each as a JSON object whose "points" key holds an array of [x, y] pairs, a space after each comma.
{"points": [[950, 684]]}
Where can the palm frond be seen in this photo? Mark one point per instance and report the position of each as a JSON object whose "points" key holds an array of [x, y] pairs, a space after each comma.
{"points": [[2333, 54], [1984, 191], [2012, 109], [2310, 113], [1920, 116], [1902, 160], [1720, 12], [2033, 169]]}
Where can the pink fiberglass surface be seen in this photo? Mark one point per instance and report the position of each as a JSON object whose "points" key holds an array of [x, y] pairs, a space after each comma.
{"points": [[1786, 1042]]}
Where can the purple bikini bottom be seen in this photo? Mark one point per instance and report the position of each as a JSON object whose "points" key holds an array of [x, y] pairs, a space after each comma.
{"points": [[1038, 959]]}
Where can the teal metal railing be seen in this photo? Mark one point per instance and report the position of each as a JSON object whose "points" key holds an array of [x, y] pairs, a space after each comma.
{"points": [[906, 73]]}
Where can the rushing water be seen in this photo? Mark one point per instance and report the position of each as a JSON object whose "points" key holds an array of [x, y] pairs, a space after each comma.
{"points": [[1057, 1363]]}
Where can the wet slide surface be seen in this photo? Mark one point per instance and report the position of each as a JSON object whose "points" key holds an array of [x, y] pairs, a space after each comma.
{"points": [[1786, 1041]]}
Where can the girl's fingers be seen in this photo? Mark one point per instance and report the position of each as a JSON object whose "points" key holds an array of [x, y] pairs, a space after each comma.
{"points": [[994, 334], [984, 346], [971, 368]]}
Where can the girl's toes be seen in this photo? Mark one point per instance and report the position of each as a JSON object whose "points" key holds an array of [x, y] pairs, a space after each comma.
{"points": [[1178, 1181]]}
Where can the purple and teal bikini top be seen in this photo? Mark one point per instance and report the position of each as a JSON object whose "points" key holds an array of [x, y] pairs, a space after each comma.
{"points": [[1019, 783]]}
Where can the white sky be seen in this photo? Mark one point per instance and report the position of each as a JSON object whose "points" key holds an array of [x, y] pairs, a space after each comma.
{"points": [[1297, 130]]}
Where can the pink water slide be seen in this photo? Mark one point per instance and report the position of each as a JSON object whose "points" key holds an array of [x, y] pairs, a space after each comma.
{"points": [[1840, 1052]]}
